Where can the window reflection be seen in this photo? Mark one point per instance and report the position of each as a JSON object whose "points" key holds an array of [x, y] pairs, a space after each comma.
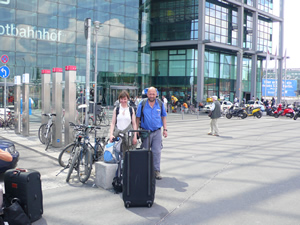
{"points": [[26, 45], [26, 17], [7, 15]]}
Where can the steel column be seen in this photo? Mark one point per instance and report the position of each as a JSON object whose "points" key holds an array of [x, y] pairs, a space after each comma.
{"points": [[57, 107], [70, 101], [201, 51], [46, 104], [280, 66], [25, 104], [17, 104]]}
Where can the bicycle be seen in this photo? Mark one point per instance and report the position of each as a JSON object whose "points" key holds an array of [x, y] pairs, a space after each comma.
{"points": [[102, 117], [81, 153], [45, 130], [9, 122], [80, 115], [192, 109]]}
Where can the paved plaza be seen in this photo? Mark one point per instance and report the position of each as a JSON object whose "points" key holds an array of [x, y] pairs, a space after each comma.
{"points": [[249, 175]]}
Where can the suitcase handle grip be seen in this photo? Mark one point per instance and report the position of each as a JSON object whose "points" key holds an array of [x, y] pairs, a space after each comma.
{"points": [[17, 171], [141, 131]]}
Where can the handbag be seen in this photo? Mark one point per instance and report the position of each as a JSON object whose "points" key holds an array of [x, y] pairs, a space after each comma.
{"points": [[14, 214], [210, 113]]}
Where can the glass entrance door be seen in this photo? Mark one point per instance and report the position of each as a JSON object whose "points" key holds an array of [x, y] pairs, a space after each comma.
{"points": [[116, 90]]}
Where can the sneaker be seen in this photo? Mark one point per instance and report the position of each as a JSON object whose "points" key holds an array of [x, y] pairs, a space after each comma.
{"points": [[209, 133], [157, 175]]}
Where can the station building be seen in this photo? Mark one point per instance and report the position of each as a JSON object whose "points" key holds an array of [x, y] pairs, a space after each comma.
{"points": [[183, 47]]}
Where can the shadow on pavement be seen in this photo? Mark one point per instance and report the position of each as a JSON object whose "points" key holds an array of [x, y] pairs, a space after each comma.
{"points": [[172, 182]]}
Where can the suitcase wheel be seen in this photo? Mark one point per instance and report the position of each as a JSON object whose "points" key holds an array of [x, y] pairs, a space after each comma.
{"points": [[127, 204], [149, 204]]}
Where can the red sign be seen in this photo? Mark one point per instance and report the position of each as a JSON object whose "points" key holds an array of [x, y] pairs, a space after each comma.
{"points": [[73, 68], [55, 70], [4, 59], [46, 71]]}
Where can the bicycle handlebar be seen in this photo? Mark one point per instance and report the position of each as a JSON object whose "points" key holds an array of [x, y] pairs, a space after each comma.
{"points": [[83, 126]]}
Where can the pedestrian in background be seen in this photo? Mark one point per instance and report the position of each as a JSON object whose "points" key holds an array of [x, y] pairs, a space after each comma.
{"points": [[165, 101], [154, 117], [216, 113], [273, 101]]}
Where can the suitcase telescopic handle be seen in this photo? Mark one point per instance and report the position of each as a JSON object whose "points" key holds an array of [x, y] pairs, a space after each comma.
{"points": [[141, 131]]}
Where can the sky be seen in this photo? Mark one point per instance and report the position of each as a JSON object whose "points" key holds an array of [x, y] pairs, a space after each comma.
{"points": [[292, 33]]}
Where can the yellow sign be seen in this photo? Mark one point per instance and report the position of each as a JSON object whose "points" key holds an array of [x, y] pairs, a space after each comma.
{"points": [[209, 100]]}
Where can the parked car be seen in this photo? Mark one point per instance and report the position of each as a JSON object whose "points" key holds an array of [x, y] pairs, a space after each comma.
{"points": [[256, 103], [207, 107], [224, 105], [8, 146]]}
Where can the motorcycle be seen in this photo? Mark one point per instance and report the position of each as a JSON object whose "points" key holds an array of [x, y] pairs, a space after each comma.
{"points": [[256, 112], [297, 113], [270, 110], [237, 112], [288, 112]]}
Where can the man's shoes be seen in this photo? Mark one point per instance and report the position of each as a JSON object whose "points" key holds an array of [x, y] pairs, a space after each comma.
{"points": [[157, 175], [209, 133], [216, 135]]}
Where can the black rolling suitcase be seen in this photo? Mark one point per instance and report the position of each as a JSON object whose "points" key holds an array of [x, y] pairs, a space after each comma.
{"points": [[138, 177], [26, 186]]}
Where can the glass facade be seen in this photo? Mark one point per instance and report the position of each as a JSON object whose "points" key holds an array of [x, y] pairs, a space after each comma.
{"points": [[173, 68], [174, 20], [44, 34]]}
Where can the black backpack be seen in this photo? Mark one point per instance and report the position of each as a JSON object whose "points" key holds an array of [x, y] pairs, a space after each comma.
{"points": [[117, 181]]}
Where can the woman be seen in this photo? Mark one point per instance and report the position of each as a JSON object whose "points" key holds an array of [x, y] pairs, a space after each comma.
{"points": [[122, 121]]}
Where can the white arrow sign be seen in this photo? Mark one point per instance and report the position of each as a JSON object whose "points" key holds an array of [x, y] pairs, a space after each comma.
{"points": [[4, 72]]}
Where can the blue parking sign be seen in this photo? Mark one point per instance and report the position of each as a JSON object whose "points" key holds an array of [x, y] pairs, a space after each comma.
{"points": [[4, 71]]}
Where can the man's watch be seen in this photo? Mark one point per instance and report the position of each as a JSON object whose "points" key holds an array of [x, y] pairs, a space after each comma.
{"points": [[165, 130]]}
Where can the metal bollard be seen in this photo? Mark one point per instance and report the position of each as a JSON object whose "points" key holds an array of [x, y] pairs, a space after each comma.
{"points": [[198, 113], [182, 111]]}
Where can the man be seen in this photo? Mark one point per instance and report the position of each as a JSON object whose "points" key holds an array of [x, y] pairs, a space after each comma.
{"points": [[154, 117], [216, 113]]}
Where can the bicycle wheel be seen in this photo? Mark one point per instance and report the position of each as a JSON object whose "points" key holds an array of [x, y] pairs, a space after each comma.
{"points": [[103, 120], [42, 131], [73, 163], [1, 122], [48, 137], [90, 121], [65, 156], [84, 165], [11, 123]]}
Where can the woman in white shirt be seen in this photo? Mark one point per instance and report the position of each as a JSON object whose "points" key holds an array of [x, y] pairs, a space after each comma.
{"points": [[122, 121]]}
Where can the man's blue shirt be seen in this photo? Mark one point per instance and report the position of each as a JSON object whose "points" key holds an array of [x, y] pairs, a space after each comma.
{"points": [[152, 116]]}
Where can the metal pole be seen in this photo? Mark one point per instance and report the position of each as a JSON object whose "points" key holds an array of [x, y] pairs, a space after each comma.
{"points": [[96, 26], [266, 80], [4, 102], [285, 77], [88, 60]]}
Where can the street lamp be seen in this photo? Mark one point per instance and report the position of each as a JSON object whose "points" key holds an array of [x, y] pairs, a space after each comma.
{"points": [[24, 64], [96, 27]]}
